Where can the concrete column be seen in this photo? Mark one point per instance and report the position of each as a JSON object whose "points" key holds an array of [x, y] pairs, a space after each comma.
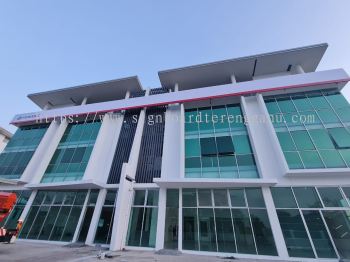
{"points": [[176, 87], [127, 94], [28, 205], [44, 152], [125, 190], [161, 219], [172, 136], [122, 213], [47, 106], [269, 157], [3, 142], [233, 79], [275, 225], [96, 217], [182, 141], [102, 154], [299, 69], [84, 101]]}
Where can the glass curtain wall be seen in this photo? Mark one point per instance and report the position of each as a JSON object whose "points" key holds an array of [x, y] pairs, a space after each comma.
{"points": [[105, 223], [73, 153], [11, 220], [89, 211], [217, 144], [226, 220], [315, 221], [171, 219], [312, 128], [142, 230], [19, 150], [54, 215]]}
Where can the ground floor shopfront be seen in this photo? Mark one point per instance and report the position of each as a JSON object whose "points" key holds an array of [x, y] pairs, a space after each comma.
{"points": [[275, 222]]}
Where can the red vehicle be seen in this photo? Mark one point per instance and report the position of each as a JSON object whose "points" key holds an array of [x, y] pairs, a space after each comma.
{"points": [[7, 202]]}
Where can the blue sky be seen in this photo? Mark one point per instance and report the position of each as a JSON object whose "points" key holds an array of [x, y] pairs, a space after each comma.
{"points": [[47, 45]]}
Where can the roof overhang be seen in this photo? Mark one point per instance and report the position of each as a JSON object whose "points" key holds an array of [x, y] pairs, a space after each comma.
{"points": [[244, 68], [83, 184], [95, 93], [5, 133]]}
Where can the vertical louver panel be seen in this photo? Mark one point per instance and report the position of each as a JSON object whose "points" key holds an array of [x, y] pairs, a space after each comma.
{"points": [[125, 141], [156, 91], [138, 94], [150, 158]]}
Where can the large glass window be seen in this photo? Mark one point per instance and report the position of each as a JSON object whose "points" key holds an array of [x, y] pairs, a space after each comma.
{"points": [[171, 219], [54, 215], [19, 150], [105, 223], [311, 225], [143, 219], [84, 230], [217, 144], [226, 220], [312, 128], [73, 153]]}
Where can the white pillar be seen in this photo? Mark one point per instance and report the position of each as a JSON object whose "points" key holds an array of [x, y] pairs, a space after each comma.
{"points": [[28, 206], [161, 219], [122, 213], [127, 95], [299, 69], [275, 225], [176, 87], [96, 217], [233, 79], [47, 106], [102, 154], [44, 152]]}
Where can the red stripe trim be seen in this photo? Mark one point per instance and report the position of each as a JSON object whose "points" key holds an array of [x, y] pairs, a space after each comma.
{"points": [[199, 99]]}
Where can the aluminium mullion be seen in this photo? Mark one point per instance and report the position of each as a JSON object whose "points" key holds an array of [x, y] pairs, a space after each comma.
{"points": [[329, 233], [213, 208], [233, 226], [70, 211]]}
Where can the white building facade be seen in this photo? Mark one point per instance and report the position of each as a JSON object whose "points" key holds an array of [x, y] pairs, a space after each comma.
{"points": [[247, 157], [5, 136]]}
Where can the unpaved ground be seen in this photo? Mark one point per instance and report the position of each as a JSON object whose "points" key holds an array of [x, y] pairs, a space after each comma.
{"points": [[38, 252]]}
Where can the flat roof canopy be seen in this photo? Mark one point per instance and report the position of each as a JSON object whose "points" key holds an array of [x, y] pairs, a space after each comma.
{"points": [[244, 68], [95, 92]]}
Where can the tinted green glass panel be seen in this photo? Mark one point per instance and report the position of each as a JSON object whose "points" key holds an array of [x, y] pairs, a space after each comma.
{"points": [[207, 233], [242, 144], [307, 197], [346, 155], [332, 158], [302, 140], [344, 114], [224, 230], [139, 198], [237, 197], [190, 229], [302, 103], [311, 159], [191, 125], [135, 226], [189, 198], [341, 137], [152, 197], [272, 106], [295, 236], [243, 231], [208, 146], [29, 221], [262, 231], [283, 197], [204, 197], [321, 139], [293, 159], [338, 223], [328, 116], [337, 100], [286, 105], [255, 197], [286, 141], [220, 119], [149, 230], [225, 145], [220, 197], [332, 197], [62, 217], [206, 123], [192, 147], [319, 234], [318, 101]]}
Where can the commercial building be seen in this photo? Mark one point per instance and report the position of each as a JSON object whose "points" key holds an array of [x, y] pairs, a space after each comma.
{"points": [[247, 157], [5, 136]]}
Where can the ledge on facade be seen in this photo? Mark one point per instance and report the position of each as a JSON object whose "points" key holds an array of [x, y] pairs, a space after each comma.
{"points": [[4, 181], [319, 172], [213, 183], [82, 184]]}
